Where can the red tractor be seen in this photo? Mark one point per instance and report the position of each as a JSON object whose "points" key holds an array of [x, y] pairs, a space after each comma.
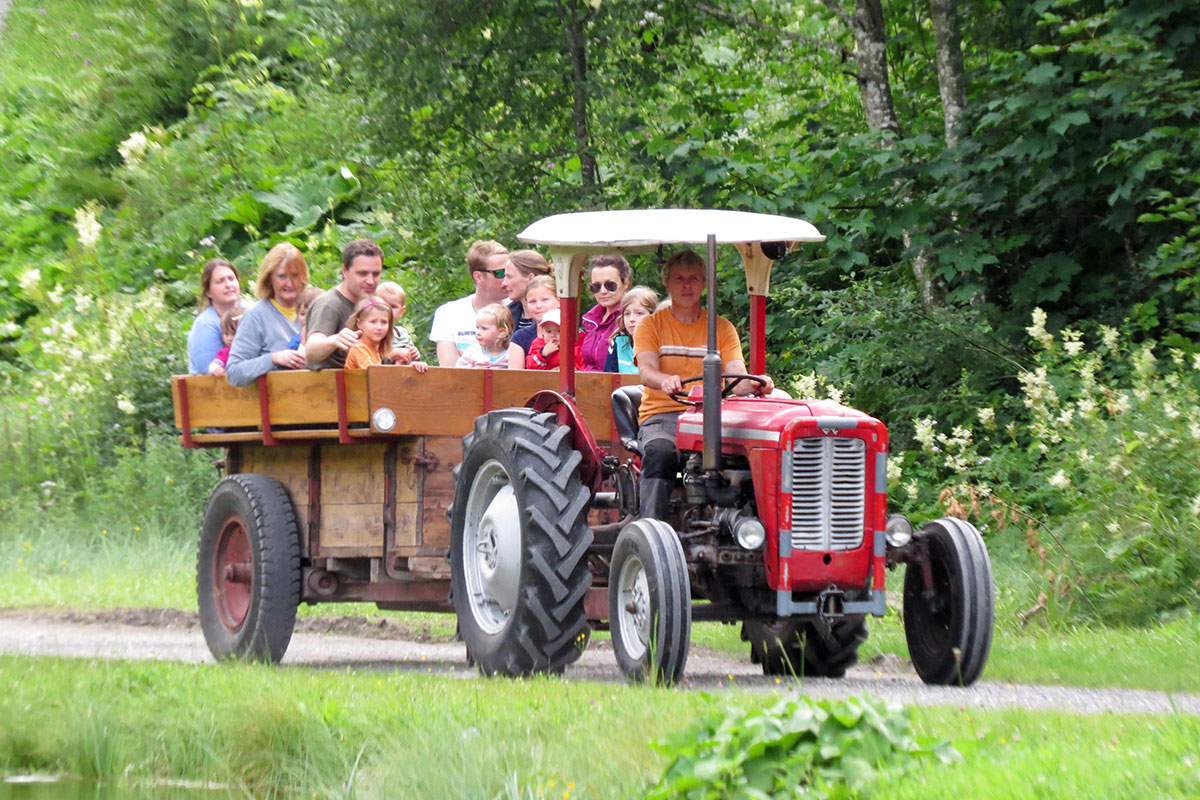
{"points": [[339, 485], [779, 519]]}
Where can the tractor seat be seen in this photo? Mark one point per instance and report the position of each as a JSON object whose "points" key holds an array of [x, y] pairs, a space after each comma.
{"points": [[625, 403]]}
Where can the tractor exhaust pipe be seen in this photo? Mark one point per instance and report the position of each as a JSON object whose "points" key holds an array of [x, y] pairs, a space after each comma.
{"points": [[711, 408]]}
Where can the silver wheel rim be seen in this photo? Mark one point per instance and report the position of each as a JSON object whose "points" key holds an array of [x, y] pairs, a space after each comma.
{"points": [[633, 608], [491, 548]]}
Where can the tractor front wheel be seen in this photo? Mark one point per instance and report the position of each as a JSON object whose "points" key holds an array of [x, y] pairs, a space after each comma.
{"points": [[248, 569], [650, 603], [948, 619]]}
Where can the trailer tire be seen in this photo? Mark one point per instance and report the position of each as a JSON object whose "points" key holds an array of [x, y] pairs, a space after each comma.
{"points": [[650, 603], [950, 635], [790, 647], [519, 539], [248, 569]]}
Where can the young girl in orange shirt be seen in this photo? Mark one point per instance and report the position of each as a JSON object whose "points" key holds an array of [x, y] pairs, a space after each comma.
{"points": [[372, 318]]}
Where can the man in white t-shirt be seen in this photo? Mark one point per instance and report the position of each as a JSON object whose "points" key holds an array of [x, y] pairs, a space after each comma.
{"points": [[453, 328]]}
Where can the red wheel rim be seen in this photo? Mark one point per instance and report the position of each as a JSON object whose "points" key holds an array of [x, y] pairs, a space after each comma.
{"points": [[233, 574]]}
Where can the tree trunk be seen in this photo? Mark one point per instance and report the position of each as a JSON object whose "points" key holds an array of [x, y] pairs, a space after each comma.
{"points": [[870, 53], [573, 16], [952, 77]]}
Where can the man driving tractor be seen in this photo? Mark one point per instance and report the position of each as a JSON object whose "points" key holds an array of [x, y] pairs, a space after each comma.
{"points": [[669, 347]]}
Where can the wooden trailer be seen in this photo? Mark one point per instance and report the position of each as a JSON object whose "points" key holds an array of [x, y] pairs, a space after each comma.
{"points": [[366, 458]]}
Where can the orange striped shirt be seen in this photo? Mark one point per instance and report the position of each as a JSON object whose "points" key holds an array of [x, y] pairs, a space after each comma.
{"points": [[681, 349]]}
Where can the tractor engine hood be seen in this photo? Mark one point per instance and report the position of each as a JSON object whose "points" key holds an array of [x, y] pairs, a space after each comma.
{"points": [[767, 421]]}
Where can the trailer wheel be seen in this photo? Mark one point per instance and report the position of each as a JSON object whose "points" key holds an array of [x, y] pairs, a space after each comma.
{"points": [[650, 603], [950, 633], [248, 569], [790, 647], [518, 546]]}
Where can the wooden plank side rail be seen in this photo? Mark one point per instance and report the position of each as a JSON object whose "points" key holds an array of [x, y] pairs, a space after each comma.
{"points": [[336, 404]]}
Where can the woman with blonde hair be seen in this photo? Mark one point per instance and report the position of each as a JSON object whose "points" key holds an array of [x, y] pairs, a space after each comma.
{"points": [[263, 336]]}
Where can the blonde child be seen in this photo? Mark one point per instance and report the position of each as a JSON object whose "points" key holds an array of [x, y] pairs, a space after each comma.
{"points": [[493, 341], [637, 304], [229, 324], [539, 297], [372, 318], [309, 294], [544, 352], [403, 348]]}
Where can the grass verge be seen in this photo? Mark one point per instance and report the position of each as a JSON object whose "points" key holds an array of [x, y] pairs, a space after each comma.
{"points": [[322, 733]]}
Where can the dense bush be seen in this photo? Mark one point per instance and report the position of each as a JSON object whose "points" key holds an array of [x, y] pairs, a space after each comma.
{"points": [[797, 747], [1097, 471]]}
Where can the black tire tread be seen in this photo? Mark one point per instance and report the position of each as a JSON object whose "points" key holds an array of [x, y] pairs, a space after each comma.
{"points": [[666, 566], [275, 545], [546, 630], [799, 649], [960, 544]]}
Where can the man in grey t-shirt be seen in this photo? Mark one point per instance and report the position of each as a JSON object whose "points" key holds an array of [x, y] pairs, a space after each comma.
{"points": [[328, 337]]}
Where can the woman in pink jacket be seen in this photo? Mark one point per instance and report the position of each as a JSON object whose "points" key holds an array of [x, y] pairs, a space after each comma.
{"points": [[609, 279]]}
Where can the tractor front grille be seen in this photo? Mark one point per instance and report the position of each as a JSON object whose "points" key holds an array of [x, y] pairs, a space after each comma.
{"points": [[827, 480]]}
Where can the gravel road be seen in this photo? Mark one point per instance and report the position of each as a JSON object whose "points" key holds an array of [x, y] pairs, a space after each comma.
{"points": [[58, 635]]}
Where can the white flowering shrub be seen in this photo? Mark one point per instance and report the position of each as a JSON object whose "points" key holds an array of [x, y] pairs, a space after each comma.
{"points": [[1099, 470], [96, 396]]}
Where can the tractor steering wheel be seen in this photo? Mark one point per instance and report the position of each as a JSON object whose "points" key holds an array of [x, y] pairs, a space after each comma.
{"points": [[733, 377]]}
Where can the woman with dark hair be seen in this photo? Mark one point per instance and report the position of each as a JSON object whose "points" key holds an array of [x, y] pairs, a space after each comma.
{"points": [[266, 330], [220, 291], [609, 281]]}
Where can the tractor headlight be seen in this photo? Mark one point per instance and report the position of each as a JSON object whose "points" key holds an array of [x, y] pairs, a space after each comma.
{"points": [[749, 533], [899, 530], [384, 419]]}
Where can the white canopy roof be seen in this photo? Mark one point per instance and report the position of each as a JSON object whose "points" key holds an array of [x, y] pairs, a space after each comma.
{"points": [[634, 230]]}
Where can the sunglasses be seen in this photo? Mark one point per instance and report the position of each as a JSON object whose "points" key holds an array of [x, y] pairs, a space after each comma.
{"points": [[495, 273], [608, 286]]}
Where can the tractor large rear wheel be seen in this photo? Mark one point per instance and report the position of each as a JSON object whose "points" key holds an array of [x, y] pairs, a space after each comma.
{"points": [[248, 569], [949, 624], [801, 649], [518, 546]]}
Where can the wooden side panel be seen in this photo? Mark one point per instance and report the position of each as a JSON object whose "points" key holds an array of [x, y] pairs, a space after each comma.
{"points": [[437, 489], [352, 498], [408, 525], [446, 401], [301, 397], [288, 465], [297, 397], [352, 529], [213, 403]]}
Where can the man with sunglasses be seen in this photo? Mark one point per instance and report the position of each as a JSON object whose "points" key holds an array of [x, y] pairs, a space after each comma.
{"points": [[453, 328], [668, 347]]}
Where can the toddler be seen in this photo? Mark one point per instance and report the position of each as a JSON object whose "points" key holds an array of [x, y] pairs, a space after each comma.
{"points": [[373, 320], [309, 294], [538, 299], [404, 350], [229, 324], [493, 333], [637, 304], [544, 351]]}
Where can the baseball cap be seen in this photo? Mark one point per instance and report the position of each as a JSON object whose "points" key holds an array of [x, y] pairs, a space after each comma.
{"points": [[552, 316]]}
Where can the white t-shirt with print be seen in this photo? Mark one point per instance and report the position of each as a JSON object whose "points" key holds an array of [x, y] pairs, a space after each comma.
{"points": [[455, 322]]}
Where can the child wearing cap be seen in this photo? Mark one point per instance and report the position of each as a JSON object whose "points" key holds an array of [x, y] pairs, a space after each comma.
{"points": [[544, 351]]}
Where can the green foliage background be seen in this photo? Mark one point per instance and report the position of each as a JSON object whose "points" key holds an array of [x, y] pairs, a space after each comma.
{"points": [[1074, 188]]}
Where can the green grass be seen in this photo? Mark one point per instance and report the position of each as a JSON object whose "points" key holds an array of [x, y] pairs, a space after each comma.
{"points": [[1023, 754], [91, 566], [325, 733]]}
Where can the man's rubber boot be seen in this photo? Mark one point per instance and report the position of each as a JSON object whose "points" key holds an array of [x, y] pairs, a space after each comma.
{"points": [[655, 498]]}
